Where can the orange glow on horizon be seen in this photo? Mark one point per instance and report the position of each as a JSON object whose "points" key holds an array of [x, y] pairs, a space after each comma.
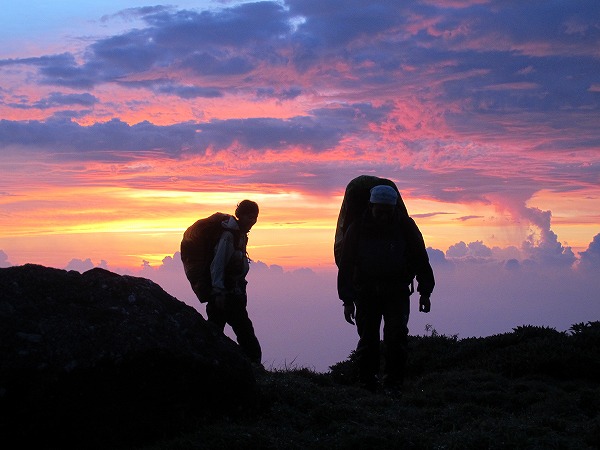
{"points": [[127, 226]]}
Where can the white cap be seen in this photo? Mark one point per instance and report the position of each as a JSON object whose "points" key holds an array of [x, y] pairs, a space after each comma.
{"points": [[383, 194]]}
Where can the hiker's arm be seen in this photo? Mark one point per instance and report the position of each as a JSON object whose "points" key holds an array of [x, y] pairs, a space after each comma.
{"points": [[423, 270], [345, 281], [223, 252]]}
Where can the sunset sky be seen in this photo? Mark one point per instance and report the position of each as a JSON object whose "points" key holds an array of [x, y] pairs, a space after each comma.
{"points": [[122, 122]]}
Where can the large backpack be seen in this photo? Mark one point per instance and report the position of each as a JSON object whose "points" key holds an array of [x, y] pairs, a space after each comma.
{"points": [[355, 203], [197, 252]]}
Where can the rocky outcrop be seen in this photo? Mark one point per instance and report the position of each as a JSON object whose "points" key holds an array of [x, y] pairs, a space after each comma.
{"points": [[100, 358]]}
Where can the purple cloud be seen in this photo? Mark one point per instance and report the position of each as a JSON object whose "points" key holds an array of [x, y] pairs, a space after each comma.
{"points": [[590, 258], [466, 218], [444, 86], [4, 262], [475, 250], [81, 265], [58, 99], [101, 141]]}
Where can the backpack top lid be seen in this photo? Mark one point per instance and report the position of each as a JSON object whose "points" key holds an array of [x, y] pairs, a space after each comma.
{"points": [[356, 202], [201, 237], [358, 193]]}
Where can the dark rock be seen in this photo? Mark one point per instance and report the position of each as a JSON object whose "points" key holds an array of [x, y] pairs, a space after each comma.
{"points": [[102, 359]]}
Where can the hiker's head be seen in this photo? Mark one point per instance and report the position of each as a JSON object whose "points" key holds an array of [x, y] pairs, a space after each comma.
{"points": [[247, 214], [383, 202]]}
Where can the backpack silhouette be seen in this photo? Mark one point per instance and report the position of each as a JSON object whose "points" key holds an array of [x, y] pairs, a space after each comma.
{"points": [[354, 205], [197, 252]]}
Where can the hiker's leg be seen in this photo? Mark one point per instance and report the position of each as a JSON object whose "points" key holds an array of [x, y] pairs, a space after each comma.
{"points": [[368, 322], [237, 317], [216, 315], [395, 338]]}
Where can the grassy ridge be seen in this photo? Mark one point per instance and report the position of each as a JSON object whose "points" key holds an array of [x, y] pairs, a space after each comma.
{"points": [[533, 388]]}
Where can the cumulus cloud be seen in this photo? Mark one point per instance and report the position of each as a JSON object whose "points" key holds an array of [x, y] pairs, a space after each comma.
{"points": [[437, 259], [590, 258], [476, 250], [83, 265], [512, 264], [507, 253], [168, 265], [4, 262], [540, 247], [543, 247]]}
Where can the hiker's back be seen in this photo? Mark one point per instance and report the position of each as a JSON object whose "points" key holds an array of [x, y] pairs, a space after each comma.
{"points": [[197, 252], [354, 205]]}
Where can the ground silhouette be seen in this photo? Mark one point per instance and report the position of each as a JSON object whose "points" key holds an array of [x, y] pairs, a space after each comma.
{"points": [[109, 359], [530, 388]]}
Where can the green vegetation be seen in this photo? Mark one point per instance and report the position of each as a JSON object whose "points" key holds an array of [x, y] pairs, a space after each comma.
{"points": [[533, 388]]}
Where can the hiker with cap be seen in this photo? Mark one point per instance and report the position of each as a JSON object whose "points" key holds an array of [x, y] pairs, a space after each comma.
{"points": [[381, 255]]}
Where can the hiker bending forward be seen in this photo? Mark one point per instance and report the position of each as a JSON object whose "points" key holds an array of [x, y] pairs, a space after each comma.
{"points": [[228, 270], [382, 253], [225, 297]]}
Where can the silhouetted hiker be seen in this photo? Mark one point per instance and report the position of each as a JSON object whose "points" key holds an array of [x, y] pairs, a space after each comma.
{"points": [[213, 251], [382, 252]]}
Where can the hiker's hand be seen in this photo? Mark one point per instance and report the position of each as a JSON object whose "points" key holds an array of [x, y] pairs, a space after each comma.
{"points": [[424, 304], [349, 312]]}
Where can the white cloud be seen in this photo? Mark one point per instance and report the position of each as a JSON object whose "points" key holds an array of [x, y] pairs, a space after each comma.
{"points": [[4, 262], [81, 266]]}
